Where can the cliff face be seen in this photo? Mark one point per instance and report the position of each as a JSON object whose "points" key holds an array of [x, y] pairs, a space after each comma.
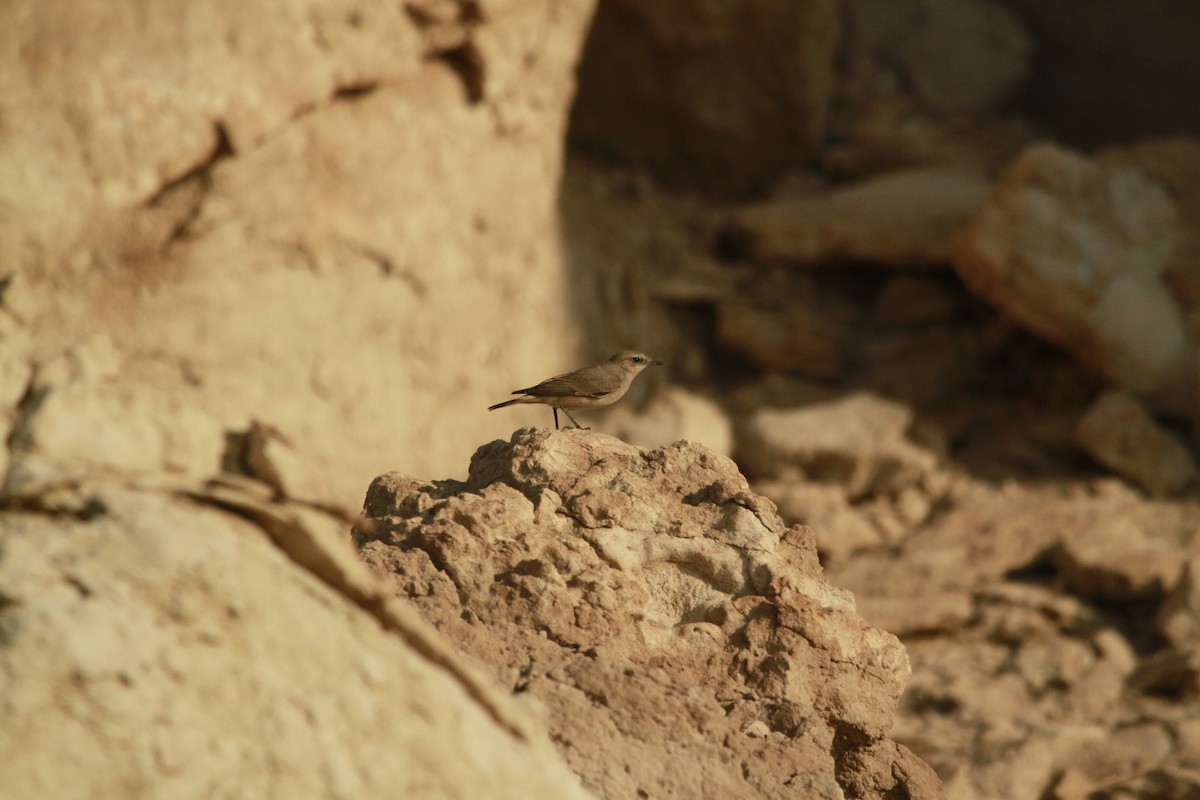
{"points": [[221, 645], [680, 639], [331, 218]]}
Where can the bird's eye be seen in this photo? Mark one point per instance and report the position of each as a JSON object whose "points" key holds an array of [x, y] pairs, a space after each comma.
{"points": [[638, 359]]}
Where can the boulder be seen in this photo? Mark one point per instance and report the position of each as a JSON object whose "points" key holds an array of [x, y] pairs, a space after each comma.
{"points": [[679, 637], [857, 442], [902, 219], [1119, 432], [336, 218], [1075, 251]]}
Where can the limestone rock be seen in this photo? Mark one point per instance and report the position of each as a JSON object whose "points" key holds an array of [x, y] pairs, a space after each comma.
{"points": [[1118, 432], [680, 638], [1026, 611], [903, 219], [174, 651], [1174, 163], [1075, 251], [858, 442], [303, 214]]}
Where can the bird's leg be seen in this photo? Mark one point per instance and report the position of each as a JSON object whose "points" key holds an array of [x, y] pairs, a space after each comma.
{"points": [[555, 417], [577, 425]]}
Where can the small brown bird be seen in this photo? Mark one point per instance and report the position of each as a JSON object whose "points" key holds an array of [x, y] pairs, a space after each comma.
{"points": [[590, 387]]}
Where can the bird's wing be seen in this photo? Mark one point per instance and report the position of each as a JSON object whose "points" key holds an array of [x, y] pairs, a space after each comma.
{"points": [[569, 385]]}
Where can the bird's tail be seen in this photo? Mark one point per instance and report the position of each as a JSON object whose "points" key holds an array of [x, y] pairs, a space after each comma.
{"points": [[505, 403]]}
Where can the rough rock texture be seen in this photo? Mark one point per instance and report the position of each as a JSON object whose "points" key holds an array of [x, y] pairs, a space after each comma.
{"points": [[160, 648], [304, 215], [1052, 624], [681, 640], [1076, 251], [1025, 612]]}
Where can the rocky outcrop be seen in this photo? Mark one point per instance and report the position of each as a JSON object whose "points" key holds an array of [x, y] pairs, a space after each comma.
{"points": [[160, 646], [1029, 613], [680, 639], [236, 216]]}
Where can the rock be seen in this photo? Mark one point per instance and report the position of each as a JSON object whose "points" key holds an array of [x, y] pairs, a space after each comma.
{"points": [[785, 321], [158, 629], [1174, 164], [86, 428], [840, 529], [1075, 250], [354, 322], [964, 57], [1126, 752], [857, 442], [914, 89], [1025, 609], [903, 219], [1172, 671], [658, 610], [672, 415], [720, 98], [1178, 618], [944, 612], [1117, 558], [1118, 432], [913, 300]]}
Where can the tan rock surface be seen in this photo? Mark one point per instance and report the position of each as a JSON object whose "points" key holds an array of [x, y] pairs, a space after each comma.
{"points": [[304, 215], [163, 649], [906, 219], [857, 442], [1119, 432], [1075, 251], [680, 638], [1025, 612]]}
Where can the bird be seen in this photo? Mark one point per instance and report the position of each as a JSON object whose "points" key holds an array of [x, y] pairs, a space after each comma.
{"points": [[591, 387]]}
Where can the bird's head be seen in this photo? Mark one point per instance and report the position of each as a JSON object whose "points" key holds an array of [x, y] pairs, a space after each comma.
{"points": [[633, 361]]}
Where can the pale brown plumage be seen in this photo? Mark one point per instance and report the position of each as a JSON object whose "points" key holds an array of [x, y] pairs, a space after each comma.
{"points": [[591, 387]]}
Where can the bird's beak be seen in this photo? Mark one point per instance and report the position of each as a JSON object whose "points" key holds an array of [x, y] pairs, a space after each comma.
{"points": [[654, 362]]}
